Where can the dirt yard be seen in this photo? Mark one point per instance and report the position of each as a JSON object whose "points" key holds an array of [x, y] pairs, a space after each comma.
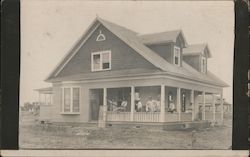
{"points": [[36, 136]]}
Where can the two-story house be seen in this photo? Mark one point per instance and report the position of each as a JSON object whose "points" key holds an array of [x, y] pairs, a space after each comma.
{"points": [[136, 77]]}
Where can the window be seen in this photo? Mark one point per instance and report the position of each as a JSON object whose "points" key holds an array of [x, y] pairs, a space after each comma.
{"points": [[203, 65], [70, 99], [101, 61], [183, 104], [177, 56]]}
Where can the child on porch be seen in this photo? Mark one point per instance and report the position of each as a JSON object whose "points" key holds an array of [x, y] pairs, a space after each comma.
{"points": [[172, 107], [139, 106]]}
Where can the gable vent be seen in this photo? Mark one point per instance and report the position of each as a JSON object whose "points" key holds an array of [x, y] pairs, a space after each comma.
{"points": [[100, 37]]}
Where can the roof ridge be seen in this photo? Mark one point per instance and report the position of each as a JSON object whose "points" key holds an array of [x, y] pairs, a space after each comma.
{"points": [[168, 31], [101, 19], [197, 44]]}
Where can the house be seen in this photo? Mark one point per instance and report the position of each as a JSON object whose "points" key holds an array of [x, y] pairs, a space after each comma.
{"points": [[132, 77]]}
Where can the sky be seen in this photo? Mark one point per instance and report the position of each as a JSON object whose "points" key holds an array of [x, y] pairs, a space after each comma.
{"points": [[49, 28]]}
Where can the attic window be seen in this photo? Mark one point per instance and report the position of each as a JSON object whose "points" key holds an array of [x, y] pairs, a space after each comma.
{"points": [[101, 61], [203, 65], [100, 37], [177, 56]]}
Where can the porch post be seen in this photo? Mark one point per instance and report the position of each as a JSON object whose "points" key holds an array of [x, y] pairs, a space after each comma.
{"points": [[179, 103], [105, 107], [102, 121], [39, 98], [193, 104], [45, 99], [162, 103], [204, 105], [132, 103], [222, 106], [214, 107]]}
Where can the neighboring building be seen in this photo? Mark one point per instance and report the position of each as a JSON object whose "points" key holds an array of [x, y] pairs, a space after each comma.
{"points": [[137, 77]]}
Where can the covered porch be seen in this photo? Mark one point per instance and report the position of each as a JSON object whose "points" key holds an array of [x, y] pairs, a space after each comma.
{"points": [[45, 100], [156, 103]]}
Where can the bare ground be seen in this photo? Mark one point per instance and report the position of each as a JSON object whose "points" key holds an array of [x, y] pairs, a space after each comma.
{"points": [[35, 136]]}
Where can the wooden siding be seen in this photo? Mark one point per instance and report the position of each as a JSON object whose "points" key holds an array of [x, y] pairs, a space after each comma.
{"points": [[122, 56], [193, 61], [164, 50]]}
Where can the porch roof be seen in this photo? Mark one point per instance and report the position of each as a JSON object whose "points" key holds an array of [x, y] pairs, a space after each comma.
{"points": [[191, 74], [46, 90]]}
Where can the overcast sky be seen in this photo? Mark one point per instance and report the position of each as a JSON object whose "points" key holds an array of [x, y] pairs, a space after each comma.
{"points": [[49, 28]]}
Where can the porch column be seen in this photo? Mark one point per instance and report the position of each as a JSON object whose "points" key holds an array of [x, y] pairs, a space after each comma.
{"points": [[45, 99], [179, 103], [105, 107], [222, 106], [102, 121], [204, 105], [193, 104], [39, 98], [214, 108], [162, 118], [132, 103]]}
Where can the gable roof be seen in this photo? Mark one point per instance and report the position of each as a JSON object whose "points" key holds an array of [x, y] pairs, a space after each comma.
{"points": [[196, 49], [132, 39], [126, 35], [162, 37]]}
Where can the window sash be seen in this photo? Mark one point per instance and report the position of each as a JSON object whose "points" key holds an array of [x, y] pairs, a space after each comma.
{"points": [[71, 101], [203, 65], [177, 55], [105, 61]]}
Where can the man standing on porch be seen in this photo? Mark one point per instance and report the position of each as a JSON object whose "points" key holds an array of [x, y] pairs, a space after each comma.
{"points": [[149, 104]]}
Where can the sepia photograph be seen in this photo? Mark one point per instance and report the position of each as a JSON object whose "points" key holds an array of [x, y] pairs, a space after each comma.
{"points": [[126, 75]]}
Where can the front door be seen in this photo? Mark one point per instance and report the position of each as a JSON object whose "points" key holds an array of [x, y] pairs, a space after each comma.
{"points": [[96, 100]]}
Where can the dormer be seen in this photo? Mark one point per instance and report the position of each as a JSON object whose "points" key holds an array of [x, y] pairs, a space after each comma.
{"points": [[169, 45], [197, 56]]}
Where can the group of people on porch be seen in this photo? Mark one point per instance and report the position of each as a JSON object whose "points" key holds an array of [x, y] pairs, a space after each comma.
{"points": [[149, 105]]}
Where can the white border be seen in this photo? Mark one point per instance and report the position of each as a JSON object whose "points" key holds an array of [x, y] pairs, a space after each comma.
{"points": [[125, 153]]}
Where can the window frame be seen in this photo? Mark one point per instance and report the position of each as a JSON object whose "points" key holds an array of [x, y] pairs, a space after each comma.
{"points": [[203, 67], [183, 102], [179, 55], [101, 61], [71, 100]]}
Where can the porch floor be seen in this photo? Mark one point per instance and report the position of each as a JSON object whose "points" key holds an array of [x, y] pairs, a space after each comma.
{"points": [[183, 125]]}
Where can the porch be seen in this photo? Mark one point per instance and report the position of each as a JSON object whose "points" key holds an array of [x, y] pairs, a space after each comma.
{"points": [[153, 104], [45, 100]]}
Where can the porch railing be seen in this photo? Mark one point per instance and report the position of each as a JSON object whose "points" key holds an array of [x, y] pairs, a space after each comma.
{"points": [[153, 116], [146, 117], [118, 116]]}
